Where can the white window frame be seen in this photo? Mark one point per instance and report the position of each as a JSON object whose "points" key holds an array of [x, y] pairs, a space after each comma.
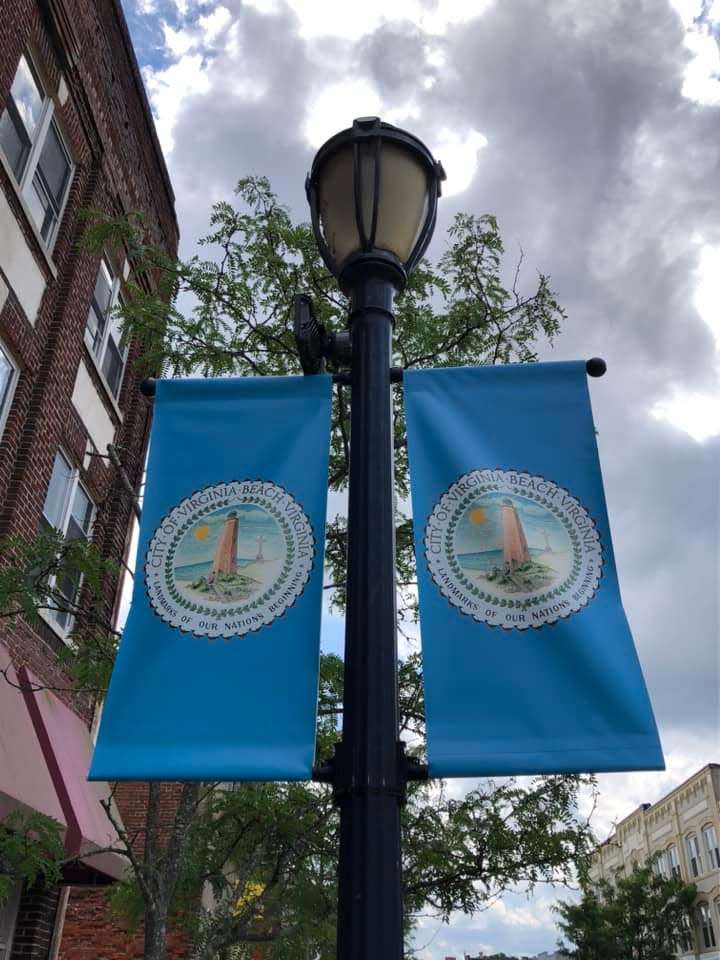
{"points": [[37, 142], [694, 855], [660, 864], [710, 842], [99, 352], [51, 616], [7, 399], [673, 859], [685, 937], [706, 925]]}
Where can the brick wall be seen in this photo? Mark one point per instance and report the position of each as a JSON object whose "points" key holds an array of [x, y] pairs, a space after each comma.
{"points": [[35, 923], [89, 930], [110, 152], [117, 167], [90, 933]]}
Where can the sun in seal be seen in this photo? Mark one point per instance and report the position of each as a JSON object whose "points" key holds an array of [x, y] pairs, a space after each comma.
{"points": [[229, 559], [513, 550]]}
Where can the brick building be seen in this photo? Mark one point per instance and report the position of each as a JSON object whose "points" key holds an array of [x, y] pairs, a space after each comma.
{"points": [[75, 132], [679, 835]]}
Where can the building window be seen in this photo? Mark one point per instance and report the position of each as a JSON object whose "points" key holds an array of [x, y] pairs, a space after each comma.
{"points": [[8, 379], [70, 510], [711, 845], [708, 931], [659, 864], [103, 335], [674, 861], [684, 940], [693, 854], [8, 914], [34, 149]]}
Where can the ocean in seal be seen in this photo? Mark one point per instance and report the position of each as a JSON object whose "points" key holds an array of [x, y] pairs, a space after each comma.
{"points": [[486, 560], [193, 571]]}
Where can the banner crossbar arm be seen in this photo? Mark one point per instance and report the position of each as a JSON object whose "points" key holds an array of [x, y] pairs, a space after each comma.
{"points": [[594, 367]]}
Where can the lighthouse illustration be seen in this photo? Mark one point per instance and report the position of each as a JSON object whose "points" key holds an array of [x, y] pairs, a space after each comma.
{"points": [[226, 553], [515, 548], [260, 557]]}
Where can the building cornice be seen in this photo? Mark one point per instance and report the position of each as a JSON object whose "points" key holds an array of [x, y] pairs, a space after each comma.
{"points": [[142, 96], [58, 22], [651, 813]]}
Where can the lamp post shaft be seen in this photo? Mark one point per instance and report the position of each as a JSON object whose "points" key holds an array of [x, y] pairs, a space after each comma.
{"points": [[370, 766]]}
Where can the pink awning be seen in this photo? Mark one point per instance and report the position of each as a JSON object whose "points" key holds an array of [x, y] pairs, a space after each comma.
{"points": [[25, 782], [45, 751], [71, 748]]}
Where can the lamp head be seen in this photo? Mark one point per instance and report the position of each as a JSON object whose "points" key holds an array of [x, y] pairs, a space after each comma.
{"points": [[373, 192]]}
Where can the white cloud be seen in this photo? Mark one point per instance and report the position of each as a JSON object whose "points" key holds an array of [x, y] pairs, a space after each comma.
{"points": [[435, 56], [266, 7], [202, 34], [201, 51], [702, 83], [168, 90], [458, 153], [695, 412], [531, 916], [213, 24], [350, 21], [338, 104], [186, 8], [707, 293], [622, 793], [687, 10], [443, 15], [178, 42], [335, 106], [702, 74]]}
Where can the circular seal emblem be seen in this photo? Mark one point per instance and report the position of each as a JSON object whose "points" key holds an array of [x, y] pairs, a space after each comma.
{"points": [[512, 550], [229, 559]]}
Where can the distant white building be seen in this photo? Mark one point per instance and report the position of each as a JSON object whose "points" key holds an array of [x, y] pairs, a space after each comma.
{"points": [[679, 835]]}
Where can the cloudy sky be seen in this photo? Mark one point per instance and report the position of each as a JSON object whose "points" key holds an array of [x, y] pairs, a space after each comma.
{"points": [[592, 131]]}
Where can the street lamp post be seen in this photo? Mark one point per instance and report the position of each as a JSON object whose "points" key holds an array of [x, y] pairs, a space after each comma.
{"points": [[373, 193]]}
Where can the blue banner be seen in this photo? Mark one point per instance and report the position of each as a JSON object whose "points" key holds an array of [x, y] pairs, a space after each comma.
{"points": [[217, 673], [529, 664]]}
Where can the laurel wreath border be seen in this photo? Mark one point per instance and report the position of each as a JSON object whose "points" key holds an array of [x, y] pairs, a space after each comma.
{"points": [[503, 602], [265, 597]]}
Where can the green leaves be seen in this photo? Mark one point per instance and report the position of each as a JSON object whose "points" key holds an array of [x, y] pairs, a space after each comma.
{"points": [[462, 854], [31, 850], [267, 853], [37, 576], [29, 581], [461, 314], [640, 915]]}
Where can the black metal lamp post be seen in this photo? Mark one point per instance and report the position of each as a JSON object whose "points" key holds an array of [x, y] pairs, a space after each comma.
{"points": [[373, 193]]}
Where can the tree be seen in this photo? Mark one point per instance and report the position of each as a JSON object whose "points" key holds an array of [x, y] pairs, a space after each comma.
{"points": [[31, 850], [232, 314], [267, 852], [638, 916]]}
